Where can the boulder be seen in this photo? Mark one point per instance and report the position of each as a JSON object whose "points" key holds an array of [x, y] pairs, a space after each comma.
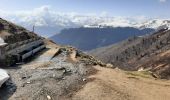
{"points": [[3, 76]]}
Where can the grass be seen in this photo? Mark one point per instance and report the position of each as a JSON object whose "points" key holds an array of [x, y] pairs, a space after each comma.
{"points": [[144, 74]]}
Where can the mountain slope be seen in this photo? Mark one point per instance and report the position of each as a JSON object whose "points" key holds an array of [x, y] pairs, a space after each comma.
{"points": [[91, 38], [150, 52], [12, 33], [115, 84]]}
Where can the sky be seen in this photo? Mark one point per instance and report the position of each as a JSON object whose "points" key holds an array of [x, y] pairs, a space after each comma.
{"points": [[149, 8], [51, 16]]}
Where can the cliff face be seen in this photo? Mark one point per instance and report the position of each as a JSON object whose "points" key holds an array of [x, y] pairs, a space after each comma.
{"points": [[12, 33], [149, 52]]}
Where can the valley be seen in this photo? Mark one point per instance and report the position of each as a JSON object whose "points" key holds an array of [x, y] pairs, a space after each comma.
{"points": [[87, 39], [134, 69]]}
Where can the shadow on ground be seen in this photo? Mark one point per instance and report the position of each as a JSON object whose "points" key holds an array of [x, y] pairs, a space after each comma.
{"points": [[7, 90]]}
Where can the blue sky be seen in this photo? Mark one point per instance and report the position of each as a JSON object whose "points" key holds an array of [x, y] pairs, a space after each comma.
{"points": [[149, 8], [51, 16]]}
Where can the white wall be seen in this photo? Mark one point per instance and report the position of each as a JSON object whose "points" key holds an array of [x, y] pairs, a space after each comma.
{"points": [[1, 40], [24, 47]]}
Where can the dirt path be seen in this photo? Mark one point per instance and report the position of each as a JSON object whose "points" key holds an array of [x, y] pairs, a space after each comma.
{"points": [[114, 84], [42, 59]]}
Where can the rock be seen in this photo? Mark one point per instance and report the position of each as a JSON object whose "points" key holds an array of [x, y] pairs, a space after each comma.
{"points": [[28, 82], [23, 85], [54, 75], [84, 79], [141, 69], [109, 65], [48, 97], [24, 77]]}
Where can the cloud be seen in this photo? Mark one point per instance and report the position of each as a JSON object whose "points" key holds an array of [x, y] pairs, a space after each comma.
{"points": [[42, 16], [47, 18], [163, 1]]}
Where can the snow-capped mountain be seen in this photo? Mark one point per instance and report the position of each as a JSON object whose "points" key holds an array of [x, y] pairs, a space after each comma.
{"points": [[48, 22], [155, 24]]}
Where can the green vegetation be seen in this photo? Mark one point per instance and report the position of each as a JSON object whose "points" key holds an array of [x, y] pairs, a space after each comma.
{"points": [[144, 74]]}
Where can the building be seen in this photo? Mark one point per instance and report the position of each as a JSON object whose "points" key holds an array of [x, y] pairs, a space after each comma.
{"points": [[17, 43], [19, 51]]}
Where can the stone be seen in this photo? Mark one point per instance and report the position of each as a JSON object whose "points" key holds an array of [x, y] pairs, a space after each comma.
{"points": [[84, 79], [28, 82], [109, 65], [48, 97]]}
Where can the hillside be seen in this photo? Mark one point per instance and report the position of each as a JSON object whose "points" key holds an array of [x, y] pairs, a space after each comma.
{"points": [[115, 84], [92, 38], [150, 52], [55, 72], [12, 33]]}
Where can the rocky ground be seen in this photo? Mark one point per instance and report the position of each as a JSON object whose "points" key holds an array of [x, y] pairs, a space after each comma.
{"points": [[55, 73], [65, 73]]}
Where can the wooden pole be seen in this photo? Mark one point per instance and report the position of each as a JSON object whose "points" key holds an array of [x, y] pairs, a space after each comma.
{"points": [[33, 28]]}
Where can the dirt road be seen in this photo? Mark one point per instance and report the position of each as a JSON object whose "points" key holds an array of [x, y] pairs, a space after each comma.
{"points": [[115, 84]]}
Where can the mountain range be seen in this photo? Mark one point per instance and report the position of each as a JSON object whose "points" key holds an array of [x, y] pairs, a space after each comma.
{"points": [[155, 24], [50, 29], [91, 38], [48, 22]]}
